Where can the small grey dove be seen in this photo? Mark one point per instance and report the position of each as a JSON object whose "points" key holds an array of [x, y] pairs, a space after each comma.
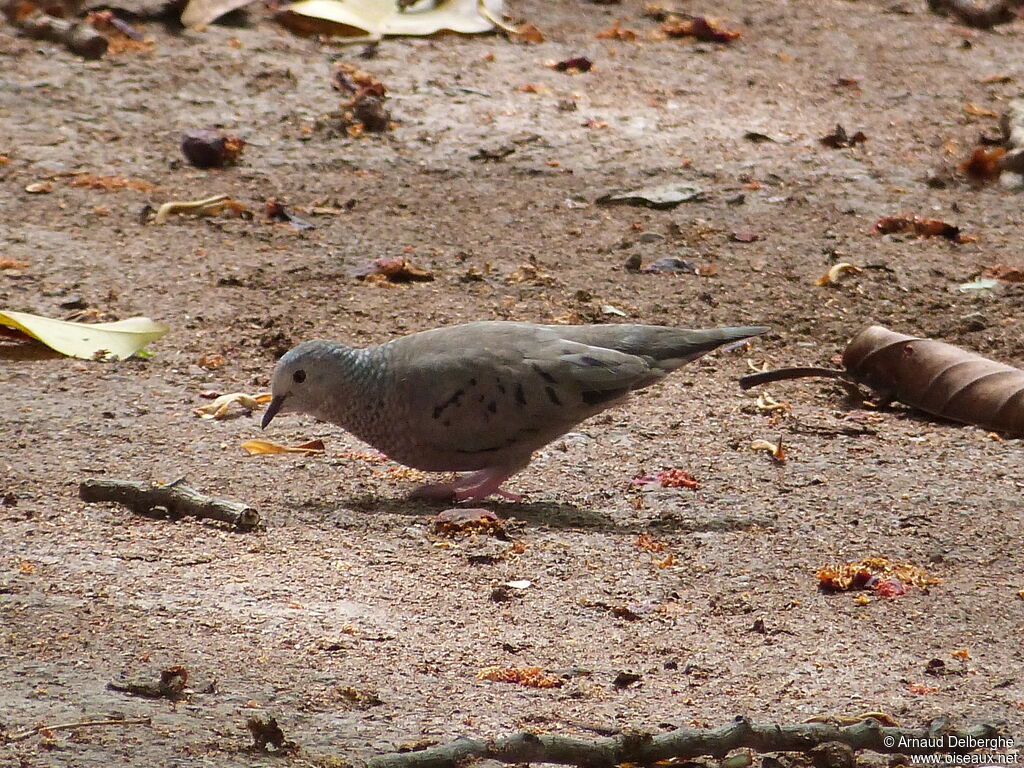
{"points": [[480, 397]]}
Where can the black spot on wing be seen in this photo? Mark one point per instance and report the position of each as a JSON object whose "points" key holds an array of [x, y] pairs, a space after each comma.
{"points": [[543, 374], [592, 361], [492, 406], [596, 397], [520, 395], [552, 396], [453, 400]]}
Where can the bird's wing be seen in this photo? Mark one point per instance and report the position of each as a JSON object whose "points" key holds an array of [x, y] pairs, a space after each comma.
{"points": [[496, 388]]}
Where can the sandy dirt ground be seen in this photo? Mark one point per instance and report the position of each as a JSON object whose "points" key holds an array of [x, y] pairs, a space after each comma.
{"points": [[347, 618]]}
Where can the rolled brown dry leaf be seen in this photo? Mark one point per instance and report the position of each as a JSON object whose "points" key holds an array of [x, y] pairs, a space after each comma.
{"points": [[938, 378], [929, 375]]}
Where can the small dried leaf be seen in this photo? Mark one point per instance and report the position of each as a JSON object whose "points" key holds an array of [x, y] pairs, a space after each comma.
{"points": [[617, 32], [973, 109], [705, 29], [984, 164], [528, 33], [1006, 273], [647, 542], [573, 65], [839, 139], [211, 148], [110, 183], [218, 409], [774, 449], [262, 447], [396, 269], [915, 225], [835, 271]]}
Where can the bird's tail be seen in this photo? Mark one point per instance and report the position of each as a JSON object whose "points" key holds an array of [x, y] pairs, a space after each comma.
{"points": [[665, 348], [685, 346]]}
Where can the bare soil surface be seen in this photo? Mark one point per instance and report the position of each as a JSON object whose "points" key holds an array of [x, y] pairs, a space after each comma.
{"points": [[347, 618]]}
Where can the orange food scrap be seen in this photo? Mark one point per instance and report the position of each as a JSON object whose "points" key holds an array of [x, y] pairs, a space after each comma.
{"points": [[922, 690], [368, 457], [669, 478], [459, 520], [885, 577], [963, 654], [531, 677]]}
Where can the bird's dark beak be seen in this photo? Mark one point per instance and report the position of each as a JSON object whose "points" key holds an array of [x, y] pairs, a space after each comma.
{"points": [[272, 409]]}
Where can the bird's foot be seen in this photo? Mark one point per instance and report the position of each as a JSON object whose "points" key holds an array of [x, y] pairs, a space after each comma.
{"points": [[472, 487]]}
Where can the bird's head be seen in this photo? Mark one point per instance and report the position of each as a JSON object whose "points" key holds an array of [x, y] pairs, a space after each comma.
{"points": [[300, 380]]}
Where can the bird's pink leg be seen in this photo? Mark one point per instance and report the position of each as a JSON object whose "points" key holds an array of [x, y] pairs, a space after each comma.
{"points": [[472, 487]]}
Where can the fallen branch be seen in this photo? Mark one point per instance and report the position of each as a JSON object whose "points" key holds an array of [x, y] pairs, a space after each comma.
{"points": [[30, 732], [173, 500], [981, 16], [688, 743], [79, 38]]}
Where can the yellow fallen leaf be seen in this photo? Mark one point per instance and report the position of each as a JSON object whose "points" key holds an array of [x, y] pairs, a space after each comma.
{"points": [[199, 13], [87, 341], [261, 447], [835, 271], [774, 449], [374, 18], [218, 409]]}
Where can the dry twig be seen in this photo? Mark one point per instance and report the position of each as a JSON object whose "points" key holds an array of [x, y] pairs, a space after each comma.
{"points": [[685, 743], [30, 732], [173, 500]]}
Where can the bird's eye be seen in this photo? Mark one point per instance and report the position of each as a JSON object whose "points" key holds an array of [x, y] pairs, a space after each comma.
{"points": [[299, 376]]}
